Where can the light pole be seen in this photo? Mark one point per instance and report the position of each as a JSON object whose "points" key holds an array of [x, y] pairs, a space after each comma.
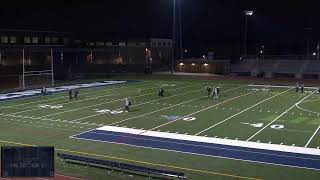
{"points": [[247, 13], [173, 35]]}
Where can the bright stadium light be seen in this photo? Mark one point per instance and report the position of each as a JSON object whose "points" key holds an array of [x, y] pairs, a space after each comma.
{"points": [[181, 64], [248, 13], [205, 64], [314, 53], [193, 64]]}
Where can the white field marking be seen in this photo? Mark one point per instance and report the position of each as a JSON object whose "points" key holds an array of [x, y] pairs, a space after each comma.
{"points": [[221, 157], [148, 102], [65, 121], [63, 97], [168, 107], [280, 115], [86, 99], [198, 111], [279, 86], [312, 136], [278, 94], [166, 137], [314, 112], [37, 126], [85, 107]]}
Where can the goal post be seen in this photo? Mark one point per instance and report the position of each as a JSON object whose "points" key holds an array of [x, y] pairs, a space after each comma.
{"points": [[37, 68]]}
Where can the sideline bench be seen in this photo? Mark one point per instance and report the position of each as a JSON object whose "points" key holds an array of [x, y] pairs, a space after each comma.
{"points": [[120, 166]]}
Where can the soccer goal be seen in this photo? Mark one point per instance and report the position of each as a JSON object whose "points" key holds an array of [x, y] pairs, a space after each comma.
{"points": [[37, 69]]}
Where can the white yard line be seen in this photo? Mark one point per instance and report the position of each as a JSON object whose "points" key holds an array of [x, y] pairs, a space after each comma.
{"points": [[312, 136], [196, 112], [241, 112], [280, 115], [121, 99], [148, 102]]}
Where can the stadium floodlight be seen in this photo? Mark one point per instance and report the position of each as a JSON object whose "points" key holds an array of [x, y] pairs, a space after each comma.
{"points": [[261, 52], [205, 64], [247, 13], [193, 64], [185, 50], [314, 53], [181, 64]]}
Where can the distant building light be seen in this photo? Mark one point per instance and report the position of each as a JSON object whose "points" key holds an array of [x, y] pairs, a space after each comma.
{"points": [[261, 52], [185, 50], [314, 53], [203, 56], [193, 64], [146, 49], [249, 13], [240, 58], [205, 64], [181, 64]]}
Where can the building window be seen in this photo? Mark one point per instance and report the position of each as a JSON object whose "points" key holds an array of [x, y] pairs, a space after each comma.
{"points": [[27, 40], [4, 39], [159, 44], [47, 40], [100, 43], [65, 41], [55, 40], [13, 40], [35, 40]]}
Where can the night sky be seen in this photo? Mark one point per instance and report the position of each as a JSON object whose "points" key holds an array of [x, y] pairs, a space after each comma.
{"points": [[279, 25]]}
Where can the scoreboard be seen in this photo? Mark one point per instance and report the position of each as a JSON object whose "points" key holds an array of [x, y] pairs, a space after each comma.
{"points": [[27, 161]]}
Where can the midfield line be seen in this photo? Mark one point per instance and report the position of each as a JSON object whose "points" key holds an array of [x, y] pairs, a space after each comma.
{"points": [[241, 112], [281, 115], [167, 108], [197, 112], [312, 136], [121, 99]]}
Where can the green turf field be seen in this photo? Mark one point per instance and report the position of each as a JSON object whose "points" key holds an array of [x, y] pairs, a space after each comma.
{"points": [[275, 115]]}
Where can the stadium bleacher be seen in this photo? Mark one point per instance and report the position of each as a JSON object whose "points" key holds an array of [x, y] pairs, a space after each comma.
{"points": [[120, 166]]}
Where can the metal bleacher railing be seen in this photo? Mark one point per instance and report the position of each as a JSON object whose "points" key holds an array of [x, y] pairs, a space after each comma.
{"points": [[120, 166]]}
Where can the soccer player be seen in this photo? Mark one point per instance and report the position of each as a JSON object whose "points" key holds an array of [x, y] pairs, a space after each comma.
{"points": [[213, 92], [127, 104], [43, 91], [161, 92], [302, 88], [297, 87], [70, 94], [209, 90], [76, 92], [217, 91]]}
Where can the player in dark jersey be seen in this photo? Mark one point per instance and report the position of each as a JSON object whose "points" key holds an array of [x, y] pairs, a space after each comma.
{"points": [[297, 87], [70, 94], [208, 88], [161, 92], [302, 88], [76, 92]]}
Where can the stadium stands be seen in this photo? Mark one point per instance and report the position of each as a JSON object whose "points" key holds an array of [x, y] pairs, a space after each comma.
{"points": [[120, 166], [280, 67]]}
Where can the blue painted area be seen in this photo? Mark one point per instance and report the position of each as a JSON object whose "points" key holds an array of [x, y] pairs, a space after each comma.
{"points": [[208, 149], [37, 92]]}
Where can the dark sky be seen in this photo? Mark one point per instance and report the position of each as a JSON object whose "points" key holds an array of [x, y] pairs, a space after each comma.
{"points": [[277, 24]]}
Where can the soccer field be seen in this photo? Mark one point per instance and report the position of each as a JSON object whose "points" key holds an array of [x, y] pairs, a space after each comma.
{"points": [[249, 132]]}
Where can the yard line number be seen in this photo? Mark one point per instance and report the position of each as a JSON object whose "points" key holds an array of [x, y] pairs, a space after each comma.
{"points": [[260, 125]]}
